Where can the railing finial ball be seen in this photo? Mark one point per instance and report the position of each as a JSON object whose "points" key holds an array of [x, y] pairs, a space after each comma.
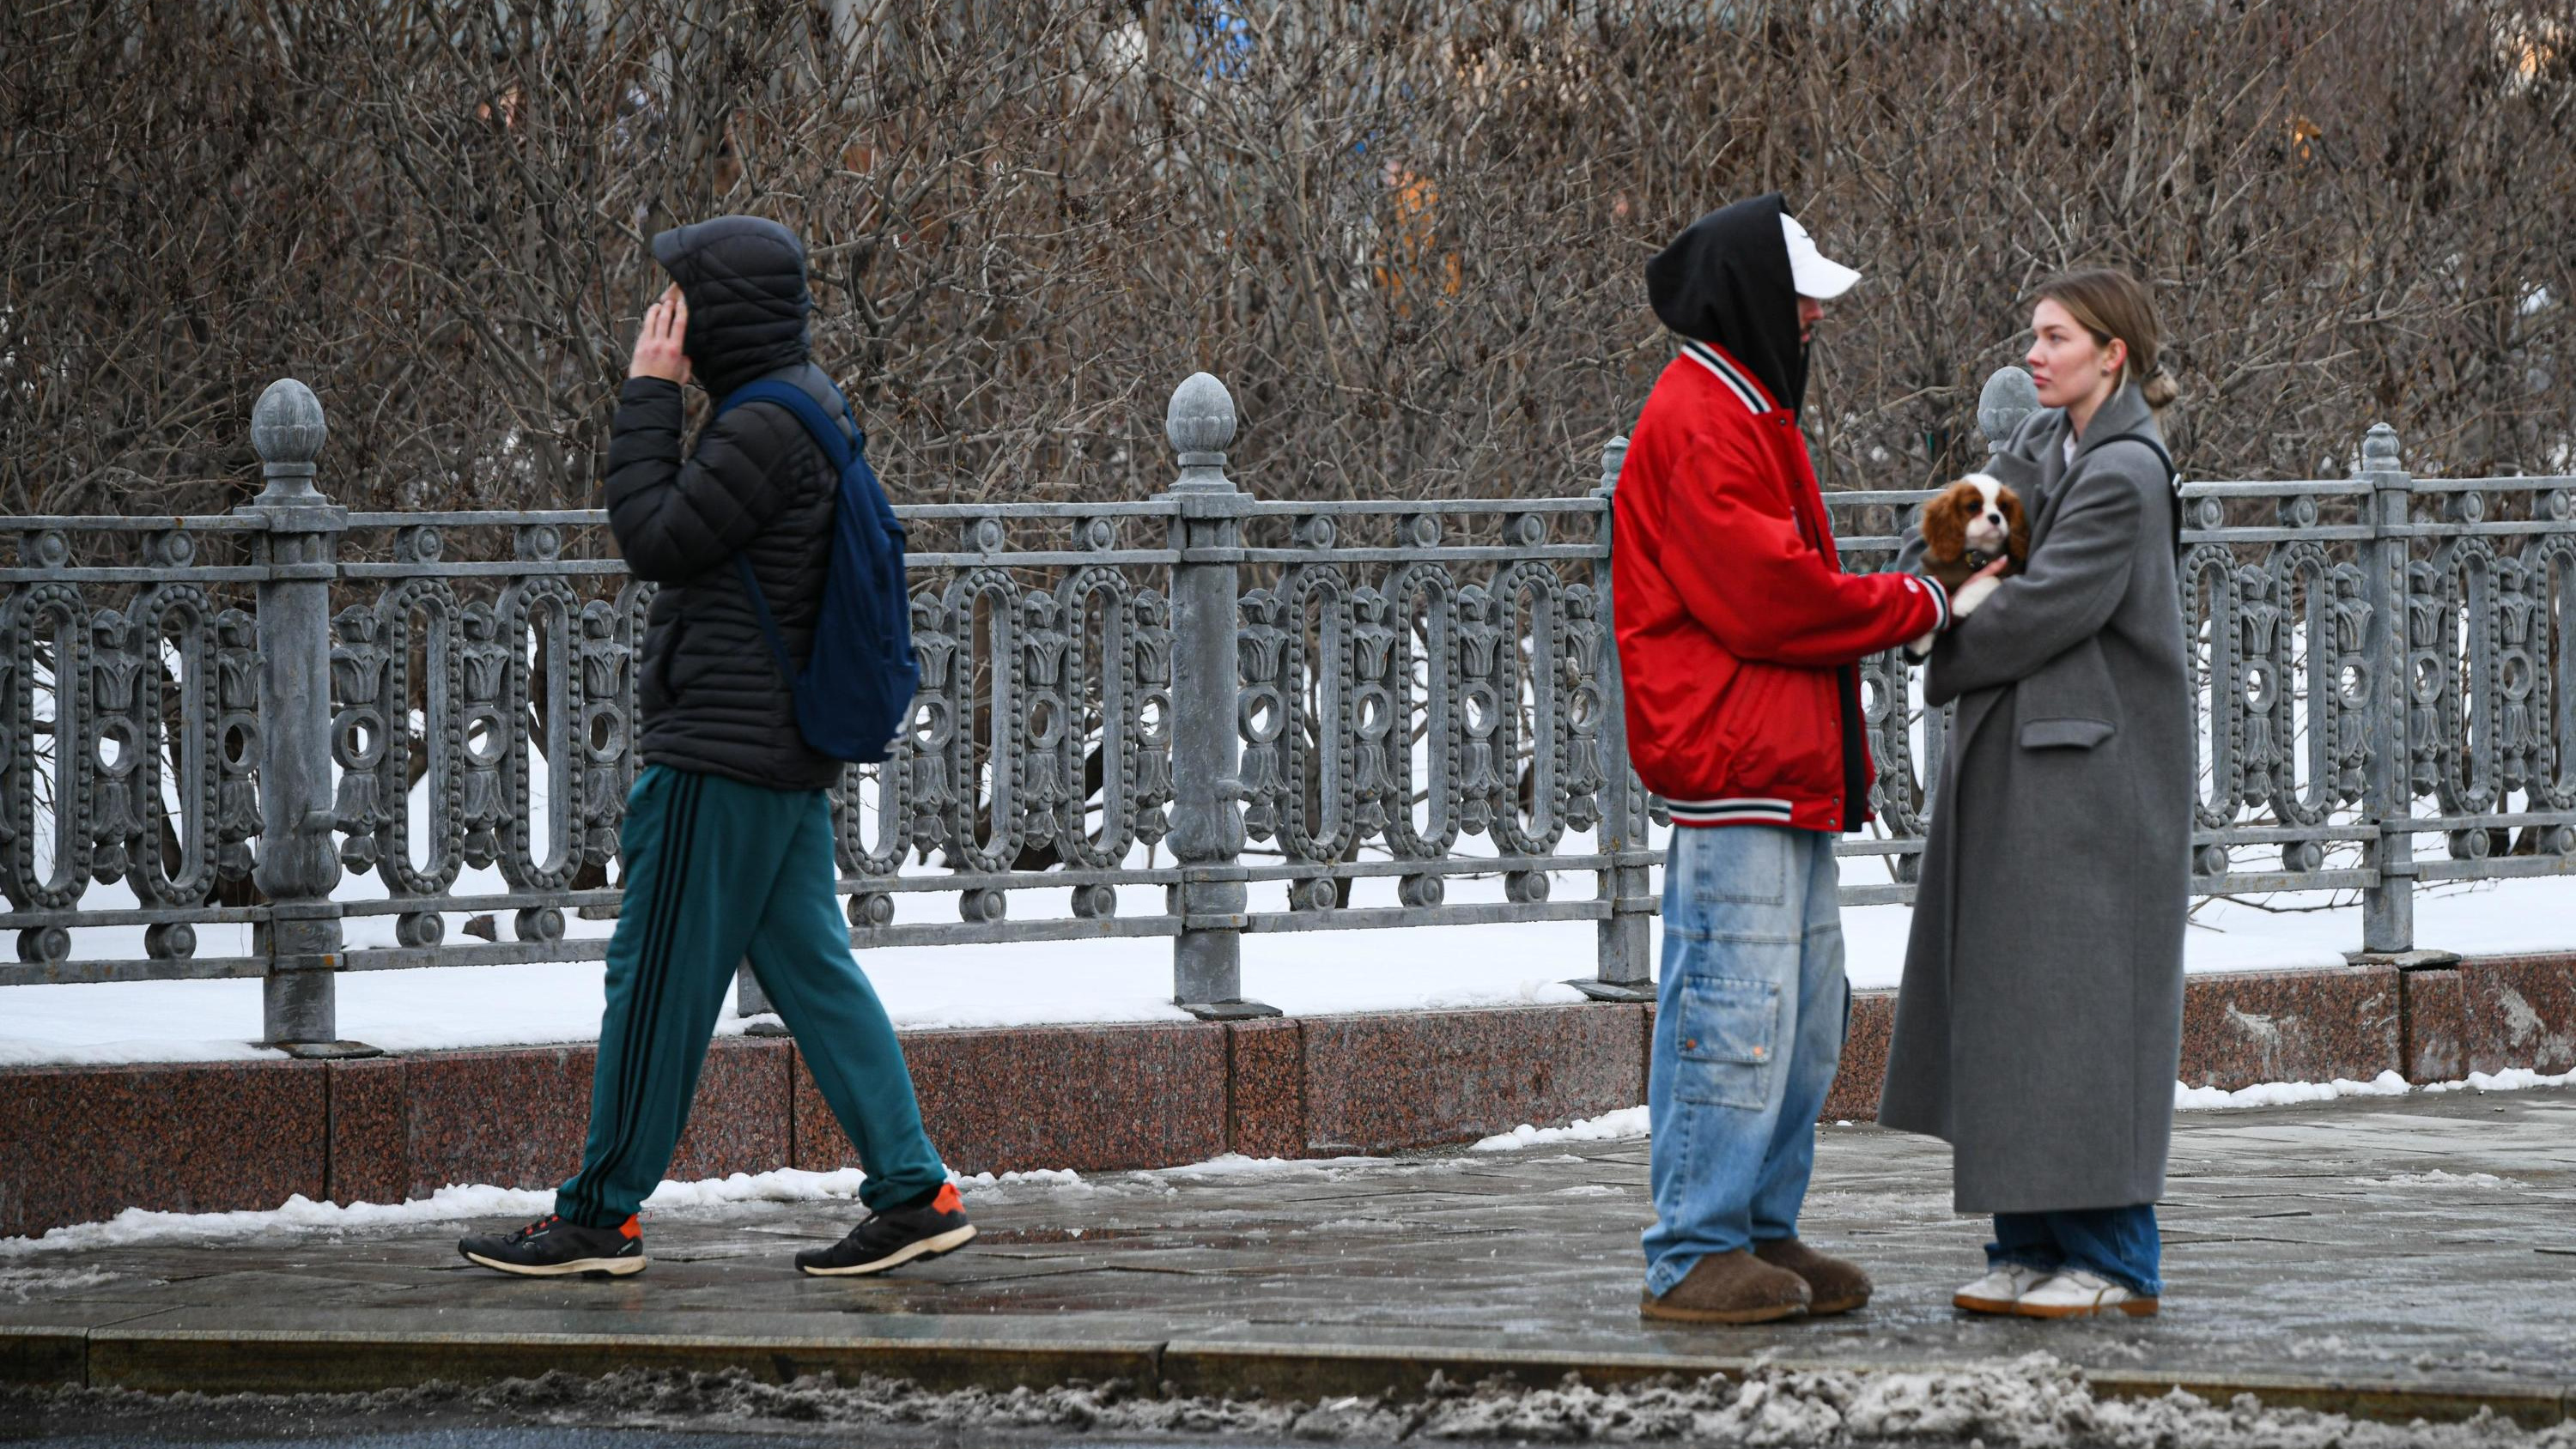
{"points": [[2008, 397], [286, 424], [2379, 452], [1201, 416]]}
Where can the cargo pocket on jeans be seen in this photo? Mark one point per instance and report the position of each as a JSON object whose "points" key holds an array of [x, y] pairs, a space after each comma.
{"points": [[1727, 1038]]}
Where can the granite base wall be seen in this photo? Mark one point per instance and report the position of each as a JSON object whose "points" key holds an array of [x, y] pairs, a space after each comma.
{"points": [[80, 1143]]}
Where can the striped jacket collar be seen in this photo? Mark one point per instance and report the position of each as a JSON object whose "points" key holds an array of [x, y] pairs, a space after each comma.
{"points": [[1731, 374]]}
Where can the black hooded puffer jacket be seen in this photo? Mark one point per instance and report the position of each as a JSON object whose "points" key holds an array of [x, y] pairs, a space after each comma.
{"points": [[711, 694]]}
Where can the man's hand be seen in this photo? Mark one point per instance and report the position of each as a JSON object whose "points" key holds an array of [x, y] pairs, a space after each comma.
{"points": [[657, 346]]}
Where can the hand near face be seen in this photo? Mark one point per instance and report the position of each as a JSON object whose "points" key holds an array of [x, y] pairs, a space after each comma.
{"points": [[658, 345]]}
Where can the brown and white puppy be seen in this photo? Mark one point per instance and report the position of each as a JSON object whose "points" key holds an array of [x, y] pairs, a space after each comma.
{"points": [[1967, 526]]}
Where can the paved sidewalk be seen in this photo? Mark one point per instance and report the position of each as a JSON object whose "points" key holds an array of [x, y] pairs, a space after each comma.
{"points": [[2382, 1257]]}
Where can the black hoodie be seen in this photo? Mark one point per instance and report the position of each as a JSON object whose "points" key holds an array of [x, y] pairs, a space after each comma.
{"points": [[744, 277], [1726, 280], [710, 694]]}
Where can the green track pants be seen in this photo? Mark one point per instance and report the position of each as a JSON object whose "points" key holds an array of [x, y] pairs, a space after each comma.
{"points": [[717, 870]]}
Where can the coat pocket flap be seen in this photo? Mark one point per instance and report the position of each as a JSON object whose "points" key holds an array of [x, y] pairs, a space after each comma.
{"points": [[2077, 734], [2069, 701]]}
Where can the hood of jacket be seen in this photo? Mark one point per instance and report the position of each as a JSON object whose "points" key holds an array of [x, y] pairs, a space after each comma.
{"points": [[744, 277], [1726, 280]]}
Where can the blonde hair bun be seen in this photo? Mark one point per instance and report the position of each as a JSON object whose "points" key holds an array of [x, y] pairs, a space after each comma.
{"points": [[2159, 389]]}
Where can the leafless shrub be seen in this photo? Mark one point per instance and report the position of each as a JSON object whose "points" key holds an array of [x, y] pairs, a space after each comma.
{"points": [[1407, 233]]}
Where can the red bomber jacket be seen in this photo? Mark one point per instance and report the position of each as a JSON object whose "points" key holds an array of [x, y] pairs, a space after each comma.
{"points": [[1739, 634]]}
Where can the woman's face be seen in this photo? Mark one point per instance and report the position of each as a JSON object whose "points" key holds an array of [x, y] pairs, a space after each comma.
{"points": [[2065, 362]]}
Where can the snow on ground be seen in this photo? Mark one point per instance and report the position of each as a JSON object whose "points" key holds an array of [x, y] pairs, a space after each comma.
{"points": [[1625, 1123], [1630, 1122], [712, 1196], [1033, 983], [2032, 1402]]}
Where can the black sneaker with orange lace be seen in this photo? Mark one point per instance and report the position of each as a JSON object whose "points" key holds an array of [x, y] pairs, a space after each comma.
{"points": [[897, 1236], [553, 1247]]}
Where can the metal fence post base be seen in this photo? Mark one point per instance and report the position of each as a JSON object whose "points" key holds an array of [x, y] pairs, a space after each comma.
{"points": [[750, 1000], [297, 1006]]}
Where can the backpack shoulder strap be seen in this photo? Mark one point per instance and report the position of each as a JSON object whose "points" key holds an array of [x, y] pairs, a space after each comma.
{"points": [[818, 424], [2171, 472], [836, 448], [2173, 476]]}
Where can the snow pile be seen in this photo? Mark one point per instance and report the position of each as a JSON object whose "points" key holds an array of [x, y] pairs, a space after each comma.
{"points": [[2438, 1178], [457, 1203], [2286, 1094], [138, 1225], [1619, 1126], [2511, 1079], [1235, 1164], [2031, 1403], [1009, 1187]]}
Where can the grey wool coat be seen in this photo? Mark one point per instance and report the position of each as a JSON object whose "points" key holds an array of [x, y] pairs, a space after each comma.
{"points": [[2040, 1023]]}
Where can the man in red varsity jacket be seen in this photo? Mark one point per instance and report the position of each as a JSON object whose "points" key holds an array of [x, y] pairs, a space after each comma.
{"points": [[1739, 639]]}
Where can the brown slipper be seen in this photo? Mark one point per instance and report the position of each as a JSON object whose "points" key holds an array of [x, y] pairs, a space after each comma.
{"points": [[1730, 1288]]}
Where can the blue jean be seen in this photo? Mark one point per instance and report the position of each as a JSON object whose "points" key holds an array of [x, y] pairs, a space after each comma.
{"points": [[1748, 1032], [2120, 1244]]}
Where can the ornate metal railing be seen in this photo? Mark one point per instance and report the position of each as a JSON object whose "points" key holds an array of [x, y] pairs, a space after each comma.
{"points": [[337, 733]]}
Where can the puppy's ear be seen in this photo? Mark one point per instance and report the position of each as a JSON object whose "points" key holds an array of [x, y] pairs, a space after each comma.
{"points": [[1945, 521], [2016, 525]]}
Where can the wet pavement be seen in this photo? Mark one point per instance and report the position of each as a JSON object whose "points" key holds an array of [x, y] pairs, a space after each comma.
{"points": [[2421, 1242]]}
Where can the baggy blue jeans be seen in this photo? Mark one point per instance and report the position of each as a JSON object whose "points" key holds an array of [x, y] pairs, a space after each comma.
{"points": [[2120, 1244], [1749, 1029]]}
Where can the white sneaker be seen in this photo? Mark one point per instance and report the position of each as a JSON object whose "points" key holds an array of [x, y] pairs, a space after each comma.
{"points": [[1999, 1290], [2074, 1294]]}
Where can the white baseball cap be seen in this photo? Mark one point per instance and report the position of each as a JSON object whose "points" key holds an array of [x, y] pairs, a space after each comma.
{"points": [[1815, 274]]}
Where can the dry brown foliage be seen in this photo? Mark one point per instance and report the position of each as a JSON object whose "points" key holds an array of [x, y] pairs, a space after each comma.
{"points": [[1408, 233]]}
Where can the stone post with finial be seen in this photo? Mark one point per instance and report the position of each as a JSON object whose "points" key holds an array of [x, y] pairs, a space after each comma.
{"points": [[1623, 966], [1207, 813], [298, 861], [2388, 908], [2008, 397]]}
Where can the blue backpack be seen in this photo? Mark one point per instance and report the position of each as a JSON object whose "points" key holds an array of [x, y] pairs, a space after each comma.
{"points": [[857, 685]]}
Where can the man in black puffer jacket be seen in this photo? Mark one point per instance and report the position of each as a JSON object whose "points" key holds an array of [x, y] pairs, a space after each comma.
{"points": [[726, 849]]}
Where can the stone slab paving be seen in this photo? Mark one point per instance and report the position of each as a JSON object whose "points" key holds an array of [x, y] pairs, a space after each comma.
{"points": [[2423, 1245]]}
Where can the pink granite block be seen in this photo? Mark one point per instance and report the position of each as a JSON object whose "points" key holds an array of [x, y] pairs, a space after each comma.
{"points": [[2240, 1028], [1854, 1096], [2437, 1025], [1091, 1098], [1409, 1079], [2520, 1012], [1645, 1048], [517, 1118], [82, 1143], [370, 1115], [1266, 1088], [508, 1118]]}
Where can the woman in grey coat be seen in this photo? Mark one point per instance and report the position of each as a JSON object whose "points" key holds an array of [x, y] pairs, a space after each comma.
{"points": [[2040, 1023]]}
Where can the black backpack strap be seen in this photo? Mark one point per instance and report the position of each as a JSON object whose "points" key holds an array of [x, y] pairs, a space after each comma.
{"points": [[837, 450], [2173, 476], [768, 625]]}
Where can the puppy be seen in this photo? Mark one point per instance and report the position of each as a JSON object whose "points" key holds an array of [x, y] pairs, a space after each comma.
{"points": [[1967, 526]]}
